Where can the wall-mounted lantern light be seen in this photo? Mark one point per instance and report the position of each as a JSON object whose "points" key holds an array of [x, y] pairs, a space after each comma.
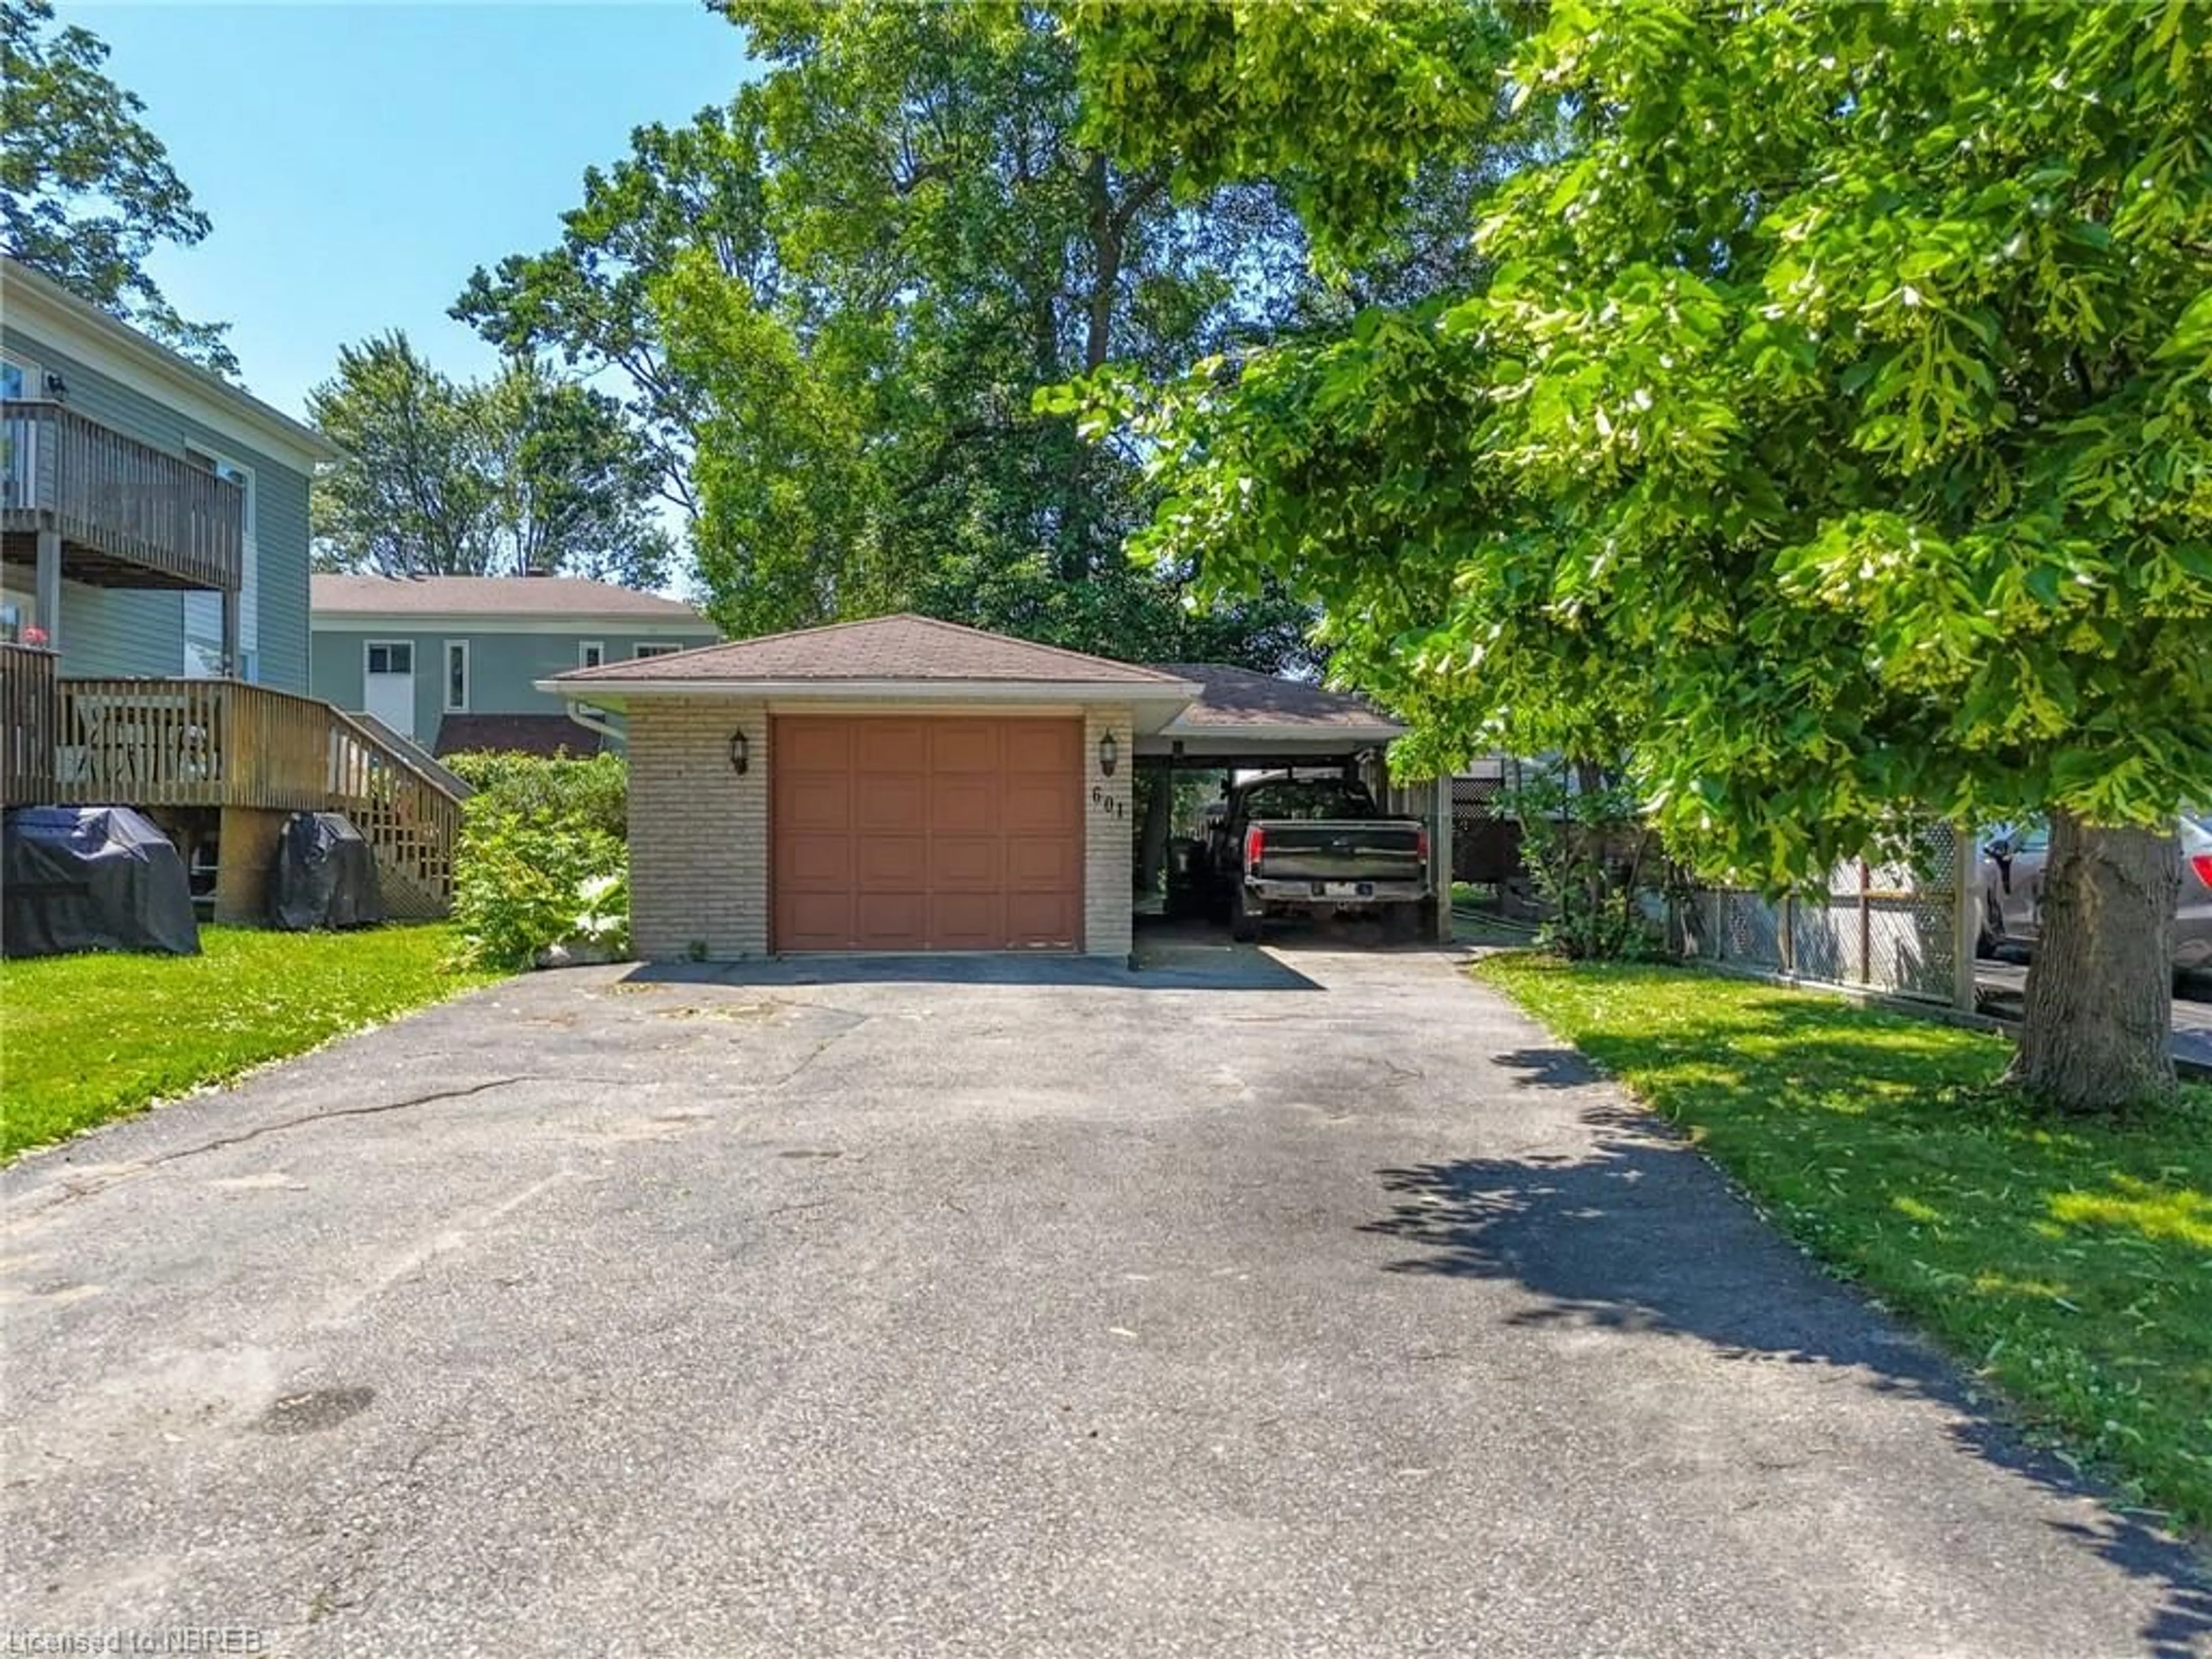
{"points": [[1108, 753], [741, 754]]}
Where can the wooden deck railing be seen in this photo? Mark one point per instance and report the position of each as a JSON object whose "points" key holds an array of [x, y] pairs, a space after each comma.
{"points": [[27, 723], [185, 742], [117, 498]]}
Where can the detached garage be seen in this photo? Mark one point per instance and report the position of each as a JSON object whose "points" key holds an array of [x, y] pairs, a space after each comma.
{"points": [[903, 784]]}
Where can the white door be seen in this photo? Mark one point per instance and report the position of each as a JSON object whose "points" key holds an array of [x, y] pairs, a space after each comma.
{"points": [[388, 683]]}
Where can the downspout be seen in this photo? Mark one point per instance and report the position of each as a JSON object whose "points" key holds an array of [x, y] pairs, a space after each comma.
{"points": [[595, 721]]}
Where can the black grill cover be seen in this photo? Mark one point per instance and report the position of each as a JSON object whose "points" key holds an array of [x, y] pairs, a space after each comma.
{"points": [[326, 876], [91, 879]]}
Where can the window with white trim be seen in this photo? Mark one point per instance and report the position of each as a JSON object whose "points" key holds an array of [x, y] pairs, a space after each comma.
{"points": [[457, 677], [204, 655], [391, 657], [20, 378], [590, 653], [656, 650]]}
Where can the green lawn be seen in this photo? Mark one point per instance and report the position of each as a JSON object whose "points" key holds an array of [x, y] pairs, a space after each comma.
{"points": [[86, 1038], [2068, 1263]]}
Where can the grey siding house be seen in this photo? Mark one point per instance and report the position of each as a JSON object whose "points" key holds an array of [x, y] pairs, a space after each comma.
{"points": [[155, 515], [453, 662]]}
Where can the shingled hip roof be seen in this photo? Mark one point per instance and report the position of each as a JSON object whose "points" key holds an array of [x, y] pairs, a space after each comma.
{"points": [[900, 650]]}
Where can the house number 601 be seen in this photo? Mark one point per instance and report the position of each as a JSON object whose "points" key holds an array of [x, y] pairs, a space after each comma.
{"points": [[1112, 806]]}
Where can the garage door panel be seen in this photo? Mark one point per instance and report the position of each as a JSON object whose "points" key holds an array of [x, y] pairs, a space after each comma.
{"points": [[964, 806], [891, 864], [892, 921], [814, 745], [934, 833], [891, 802], [889, 747], [1035, 805], [966, 862], [815, 864], [1041, 921], [815, 921], [817, 803], [1035, 863], [967, 922], [1048, 746], [965, 746]]}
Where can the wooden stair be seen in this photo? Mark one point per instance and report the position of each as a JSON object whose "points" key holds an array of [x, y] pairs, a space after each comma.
{"points": [[405, 804]]}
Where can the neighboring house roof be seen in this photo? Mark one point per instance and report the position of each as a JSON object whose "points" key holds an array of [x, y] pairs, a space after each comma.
{"points": [[527, 734], [1242, 700], [33, 298], [903, 650], [565, 598]]}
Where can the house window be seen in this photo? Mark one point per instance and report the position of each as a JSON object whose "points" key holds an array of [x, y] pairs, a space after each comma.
{"points": [[457, 677], [19, 378], [658, 650], [203, 611], [391, 657], [590, 653]]}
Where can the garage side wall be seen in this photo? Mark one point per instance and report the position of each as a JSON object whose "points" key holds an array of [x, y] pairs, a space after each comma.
{"points": [[1109, 826], [698, 832]]}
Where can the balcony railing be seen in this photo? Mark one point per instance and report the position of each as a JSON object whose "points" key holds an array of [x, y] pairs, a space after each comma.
{"points": [[128, 514]]}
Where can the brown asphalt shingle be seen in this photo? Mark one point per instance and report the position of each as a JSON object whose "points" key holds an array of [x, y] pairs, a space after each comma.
{"points": [[490, 596], [902, 647], [1232, 697]]}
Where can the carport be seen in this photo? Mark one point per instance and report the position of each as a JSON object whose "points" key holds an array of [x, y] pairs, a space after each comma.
{"points": [[1242, 720], [907, 785]]}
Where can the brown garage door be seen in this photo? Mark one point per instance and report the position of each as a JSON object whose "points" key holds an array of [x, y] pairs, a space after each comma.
{"points": [[897, 834]]}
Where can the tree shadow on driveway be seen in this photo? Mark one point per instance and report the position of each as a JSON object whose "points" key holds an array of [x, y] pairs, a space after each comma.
{"points": [[1639, 1234]]}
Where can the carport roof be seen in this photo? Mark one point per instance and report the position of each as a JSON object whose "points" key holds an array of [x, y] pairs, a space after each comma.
{"points": [[1244, 702]]}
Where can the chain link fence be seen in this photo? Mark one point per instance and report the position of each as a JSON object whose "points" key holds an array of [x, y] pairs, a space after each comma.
{"points": [[1887, 927]]}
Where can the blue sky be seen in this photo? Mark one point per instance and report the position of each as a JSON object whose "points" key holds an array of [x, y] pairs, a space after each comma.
{"points": [[360, 159]]}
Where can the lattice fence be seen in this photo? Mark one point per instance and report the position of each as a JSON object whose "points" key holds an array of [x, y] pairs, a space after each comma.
{"points": [[1879, 926]]}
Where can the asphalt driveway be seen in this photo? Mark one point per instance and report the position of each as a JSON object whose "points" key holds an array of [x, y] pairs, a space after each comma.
{"points": [[1318, 1307]]}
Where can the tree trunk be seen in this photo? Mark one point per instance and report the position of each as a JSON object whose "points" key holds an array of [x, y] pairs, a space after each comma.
{"points": [[2100, 993]]}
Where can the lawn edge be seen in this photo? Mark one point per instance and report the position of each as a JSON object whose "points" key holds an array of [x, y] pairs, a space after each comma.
{"points": [[2099, 1477], [223, 1082]]}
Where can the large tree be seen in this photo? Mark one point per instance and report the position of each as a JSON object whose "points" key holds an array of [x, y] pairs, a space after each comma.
{"points": [[1830, 423], [524, 472], [85, 189], [837, 297]]}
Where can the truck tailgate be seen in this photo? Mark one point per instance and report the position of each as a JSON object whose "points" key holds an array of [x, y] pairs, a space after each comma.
{"points": [[1365, 849]]}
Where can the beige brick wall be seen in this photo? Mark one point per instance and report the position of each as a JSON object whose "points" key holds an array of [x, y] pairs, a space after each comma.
{"points": [[698, 832], [699, 856], [1109, 826]]}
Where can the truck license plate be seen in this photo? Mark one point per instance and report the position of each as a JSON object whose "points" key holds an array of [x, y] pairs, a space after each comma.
{"points": [[1350, 890]]}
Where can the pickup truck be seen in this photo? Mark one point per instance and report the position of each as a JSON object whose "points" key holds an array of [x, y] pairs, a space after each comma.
{"points": [[1282, 845]]}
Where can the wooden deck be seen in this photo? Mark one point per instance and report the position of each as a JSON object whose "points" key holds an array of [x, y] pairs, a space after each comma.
{"points": [[128, 515], [198, 743]]}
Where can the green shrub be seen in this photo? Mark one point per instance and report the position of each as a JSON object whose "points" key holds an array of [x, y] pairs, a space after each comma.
{"points": [[592, 792], [522, 883]]}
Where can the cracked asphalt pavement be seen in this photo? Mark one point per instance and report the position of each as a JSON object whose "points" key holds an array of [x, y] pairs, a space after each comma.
{"points": [[1311, 1302]]}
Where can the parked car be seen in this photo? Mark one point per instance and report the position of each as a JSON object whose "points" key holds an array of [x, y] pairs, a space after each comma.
{"points": [[1283, 845], [2013, 861]]}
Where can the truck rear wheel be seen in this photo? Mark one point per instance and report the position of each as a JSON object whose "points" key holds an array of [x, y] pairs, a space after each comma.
{"points": [[1401, 923], [1243, 915]]}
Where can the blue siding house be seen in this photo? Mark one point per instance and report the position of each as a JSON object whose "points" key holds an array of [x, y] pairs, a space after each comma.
{"points": [[451, 662], [154, 515], [154, 635]]}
